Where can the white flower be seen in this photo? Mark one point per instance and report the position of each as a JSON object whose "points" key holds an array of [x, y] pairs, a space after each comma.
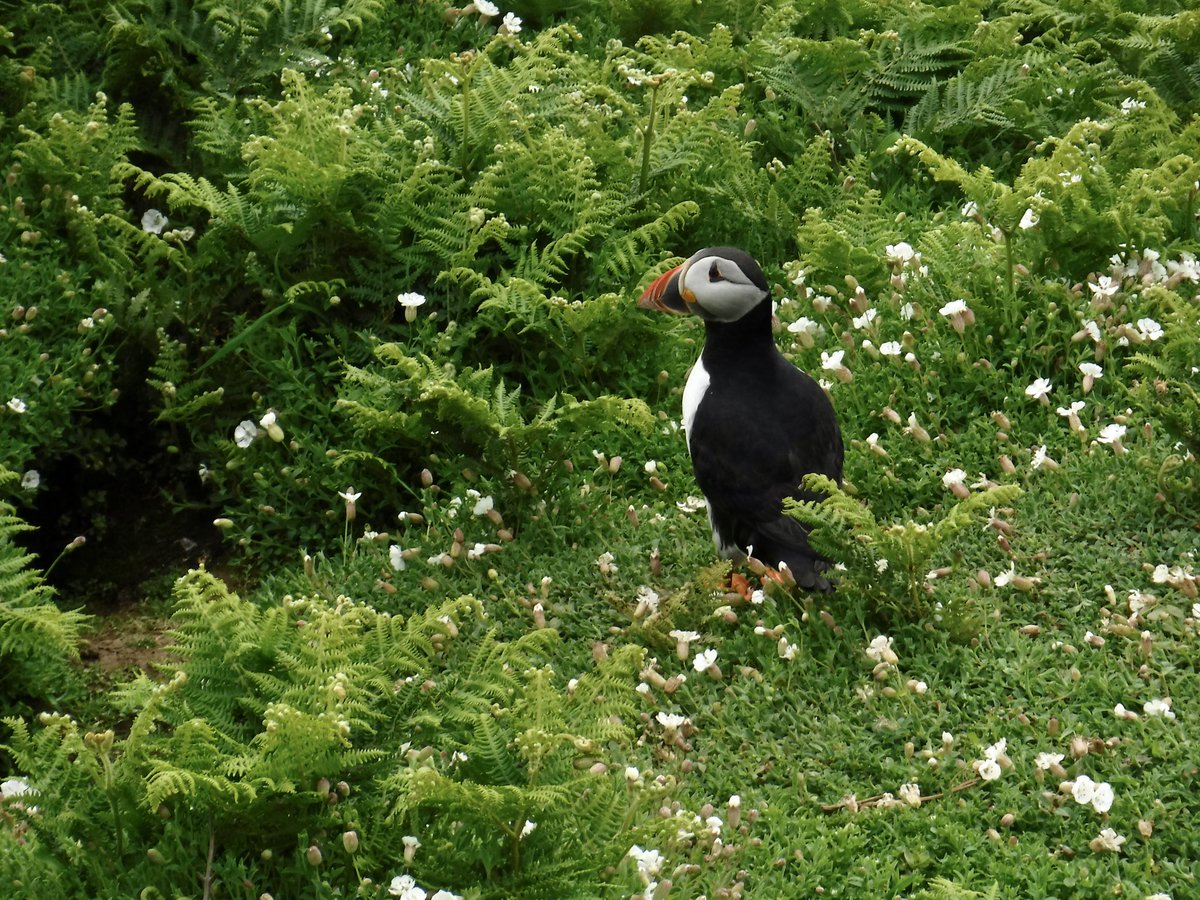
{"points": [[487, 8], [910, 793], [1158, 708], [1083, 789], [1046, 761], [651, 467], [1111, 434], [1129, 104], [649, 862], [1039, 389], [671, 721], [899, 254], [17, 405], [970, 209], [890, 348], [410, 298], [270, 425], [832, 361], [1107, 841], [527, 828], [1149, 330], [511, 24], [15, 787], [1102, 799], [953, 477], [865, 320], [31, 480], [245, 433], [705, 660], [880, 650], [954, 307], [1122, 713], [446, 895], [804, 325], [405, 887], [1105, 286], [987, 769], [648, 598], [153, 222], [605, 562], [350, 495], [691, 504], [1185, 267], [410, 301], [1028, 220], [1073, 410], [881, 565], [1091, 370], [482, 506], [396, 558]]}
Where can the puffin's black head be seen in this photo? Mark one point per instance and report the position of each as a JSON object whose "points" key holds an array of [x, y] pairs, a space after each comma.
{"points": [[718, 284]]}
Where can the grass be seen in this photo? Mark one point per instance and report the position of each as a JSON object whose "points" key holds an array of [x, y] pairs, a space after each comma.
{"points": [[795, 738], [837, 744]]}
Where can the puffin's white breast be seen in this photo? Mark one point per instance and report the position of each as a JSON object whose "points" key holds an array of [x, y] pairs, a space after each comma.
{"points": [[693, 393]]}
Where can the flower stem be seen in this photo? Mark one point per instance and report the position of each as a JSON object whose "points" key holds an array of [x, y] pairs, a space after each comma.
{"points": [[648, 139], [1008, 259]]}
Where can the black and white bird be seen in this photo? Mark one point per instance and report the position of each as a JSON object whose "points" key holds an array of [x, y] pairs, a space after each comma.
{"points": [[755, 424]]}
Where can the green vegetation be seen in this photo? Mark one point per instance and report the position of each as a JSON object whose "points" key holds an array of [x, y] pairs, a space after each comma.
{"points": [[357, 282]]}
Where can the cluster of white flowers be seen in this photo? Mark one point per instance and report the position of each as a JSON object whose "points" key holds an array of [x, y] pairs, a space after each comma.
{"points": [[406, 888], [649, 864], [510, 24], [995, 760], [1086, 792]]}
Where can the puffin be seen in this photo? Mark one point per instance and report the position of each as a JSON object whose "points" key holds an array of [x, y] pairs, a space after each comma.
{"points": [[755, 424]]}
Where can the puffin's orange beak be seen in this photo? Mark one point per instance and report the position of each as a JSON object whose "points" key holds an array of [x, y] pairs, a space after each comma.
{"points": [[664, 294]]}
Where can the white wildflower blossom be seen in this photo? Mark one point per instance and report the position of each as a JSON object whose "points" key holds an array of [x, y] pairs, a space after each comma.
{"points": [[153, 221], [1039, 389], [1161, 708], [1047, 761], [245, 433], [1149, 329], [649, 862], [1108, 841]]}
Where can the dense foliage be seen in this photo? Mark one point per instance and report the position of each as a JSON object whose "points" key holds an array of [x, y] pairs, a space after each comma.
{"points": [[359, 280]]}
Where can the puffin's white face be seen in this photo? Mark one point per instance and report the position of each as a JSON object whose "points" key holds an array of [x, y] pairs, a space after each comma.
{"points": [[721, 287]]}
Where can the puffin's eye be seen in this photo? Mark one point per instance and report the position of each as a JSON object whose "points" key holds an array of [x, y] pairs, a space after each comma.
{"points": [[714, 272]]}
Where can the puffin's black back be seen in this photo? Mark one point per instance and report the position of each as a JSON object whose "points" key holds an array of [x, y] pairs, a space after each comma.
{"points": [[761, 426]]}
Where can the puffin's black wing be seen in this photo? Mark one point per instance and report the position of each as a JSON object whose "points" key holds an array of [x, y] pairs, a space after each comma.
{"points": [[754, 437]]}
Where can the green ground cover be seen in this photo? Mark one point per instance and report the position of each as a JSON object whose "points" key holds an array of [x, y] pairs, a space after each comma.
{"points": [[354, 287]]}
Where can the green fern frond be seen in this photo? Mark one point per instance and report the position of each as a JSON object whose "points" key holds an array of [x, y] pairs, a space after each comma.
{"points": [[888, 564], [37, 639]]}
